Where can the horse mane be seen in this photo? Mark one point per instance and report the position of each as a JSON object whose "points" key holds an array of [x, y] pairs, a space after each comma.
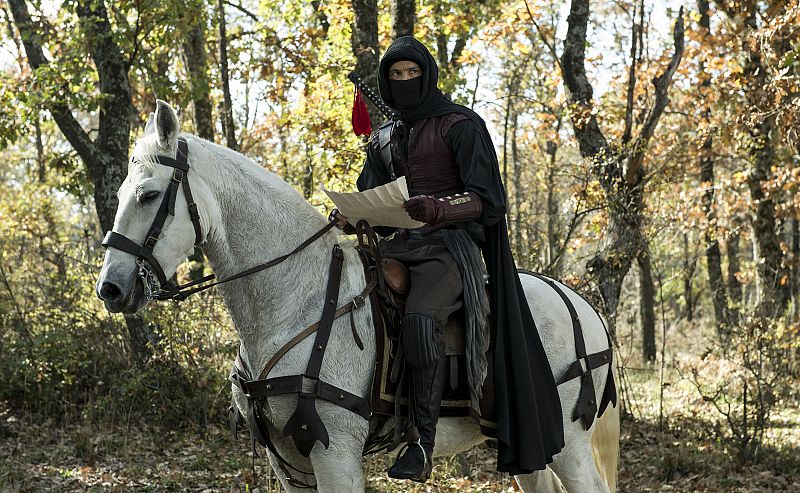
{"points": [[254, 178]]}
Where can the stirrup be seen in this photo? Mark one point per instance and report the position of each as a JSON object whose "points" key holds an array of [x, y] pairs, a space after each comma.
{"points": [[427, 465]]}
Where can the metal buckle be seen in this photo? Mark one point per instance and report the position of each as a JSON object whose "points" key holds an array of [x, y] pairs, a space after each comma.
{"points": [[150, 242], [177, 175], [358, 301]]}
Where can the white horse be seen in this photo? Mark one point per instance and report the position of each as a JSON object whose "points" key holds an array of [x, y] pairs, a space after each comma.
{"points": [[248, 216]]}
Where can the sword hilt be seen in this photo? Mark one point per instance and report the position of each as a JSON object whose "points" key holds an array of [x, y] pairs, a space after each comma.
{"points": [[371, 96]]}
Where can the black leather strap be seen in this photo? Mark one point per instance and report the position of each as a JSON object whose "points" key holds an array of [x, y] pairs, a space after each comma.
{"points": [[592, 362], [586, 407], [343, 398], [183, 291], [326, 322], [304, 426], [167, 208]]}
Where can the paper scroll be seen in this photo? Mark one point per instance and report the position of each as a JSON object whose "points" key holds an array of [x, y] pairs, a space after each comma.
{"points": [[379, 206]]}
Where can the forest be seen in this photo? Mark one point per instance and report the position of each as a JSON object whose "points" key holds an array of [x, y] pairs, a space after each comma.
{"points": [[650, 153]]}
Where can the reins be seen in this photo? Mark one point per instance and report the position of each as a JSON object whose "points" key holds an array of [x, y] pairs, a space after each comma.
{"points": [[183, 291]]}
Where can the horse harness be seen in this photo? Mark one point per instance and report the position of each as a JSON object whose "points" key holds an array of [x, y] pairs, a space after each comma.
{"points": [[144, 252], [305, 426], [586, 408], [149, 268]]}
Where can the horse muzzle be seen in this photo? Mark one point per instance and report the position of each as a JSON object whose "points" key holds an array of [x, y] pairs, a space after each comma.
{"points": [[121, 294]]}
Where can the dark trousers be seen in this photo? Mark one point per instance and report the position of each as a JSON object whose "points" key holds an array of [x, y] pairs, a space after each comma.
{"points": [[435, 284]]}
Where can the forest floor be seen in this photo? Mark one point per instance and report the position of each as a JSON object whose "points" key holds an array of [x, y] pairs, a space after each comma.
{"points": [[43, 457], [692, 451]]}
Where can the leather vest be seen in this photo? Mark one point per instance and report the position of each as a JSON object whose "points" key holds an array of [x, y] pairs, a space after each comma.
{"points": [[428, 164]]}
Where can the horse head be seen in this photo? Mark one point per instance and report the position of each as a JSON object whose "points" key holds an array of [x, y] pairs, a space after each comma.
{"points": [[155, 227]]}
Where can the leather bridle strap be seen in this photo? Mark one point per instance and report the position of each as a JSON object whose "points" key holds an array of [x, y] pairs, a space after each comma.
{"points": [[180, 293], [179, 178]]}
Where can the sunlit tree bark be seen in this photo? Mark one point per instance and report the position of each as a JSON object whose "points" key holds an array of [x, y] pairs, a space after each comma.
{"points": [[105, 157], [619, 170]]}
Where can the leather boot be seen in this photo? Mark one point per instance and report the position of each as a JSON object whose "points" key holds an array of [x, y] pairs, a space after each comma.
{"points": [[427, 387]]}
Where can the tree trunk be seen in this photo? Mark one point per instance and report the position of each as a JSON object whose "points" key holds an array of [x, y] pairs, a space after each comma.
{"points": [[403, 13], [554, 261], [707, 180], [105, 158], [620, 175], [366, 49], [227, 113], [795, 277], [195, 49], [689, 265], [734, 286], [40, 160], [196, 63], [772, 275], [308, 176], [517, 186], [647, 305]]}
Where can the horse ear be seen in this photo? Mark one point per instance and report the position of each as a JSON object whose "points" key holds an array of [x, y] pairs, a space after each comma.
{"points": [[166, 125], [151, 124]]}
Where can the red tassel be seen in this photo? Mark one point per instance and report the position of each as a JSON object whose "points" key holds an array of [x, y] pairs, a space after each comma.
{"points": [[361, 123]]}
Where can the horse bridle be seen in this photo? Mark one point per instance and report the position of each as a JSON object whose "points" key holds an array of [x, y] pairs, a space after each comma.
{"points": [[144, 253]]}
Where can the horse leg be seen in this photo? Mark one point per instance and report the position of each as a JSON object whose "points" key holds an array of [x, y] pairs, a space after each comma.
{"points": [[339, 468], [539, 482], [575, 465], [277, 468]]}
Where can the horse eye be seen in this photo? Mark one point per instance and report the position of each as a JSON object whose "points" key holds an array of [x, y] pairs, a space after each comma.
{"points": [[150, 196]]}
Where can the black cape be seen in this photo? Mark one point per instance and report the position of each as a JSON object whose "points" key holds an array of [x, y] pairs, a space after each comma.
{"points": [[529, 420]]}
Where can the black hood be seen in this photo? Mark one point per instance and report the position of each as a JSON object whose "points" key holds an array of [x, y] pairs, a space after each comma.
{"points": [[432, 101], [408, 48]]}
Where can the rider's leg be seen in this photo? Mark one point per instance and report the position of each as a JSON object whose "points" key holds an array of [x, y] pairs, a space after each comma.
{"points": [[423, 344], [435, 295]]}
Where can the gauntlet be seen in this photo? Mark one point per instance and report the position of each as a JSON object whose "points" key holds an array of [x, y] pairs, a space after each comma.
{"points": [[453, 208]]}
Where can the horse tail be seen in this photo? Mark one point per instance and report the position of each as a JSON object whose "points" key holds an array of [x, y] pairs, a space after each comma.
{"points": [[605, 446]]}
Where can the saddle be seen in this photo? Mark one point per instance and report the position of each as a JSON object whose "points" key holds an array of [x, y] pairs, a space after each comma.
{"points": [[389, 395]]}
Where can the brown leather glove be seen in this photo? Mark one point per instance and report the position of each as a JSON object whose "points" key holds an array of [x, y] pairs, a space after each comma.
{"points": [[341, 222], [453, 208], [424, 208]]}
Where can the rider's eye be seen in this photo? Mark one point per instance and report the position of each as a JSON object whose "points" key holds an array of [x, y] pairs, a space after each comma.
{"points": [[149, 196]]}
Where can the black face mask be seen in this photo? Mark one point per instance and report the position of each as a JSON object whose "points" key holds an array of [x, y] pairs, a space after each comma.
{"points": [[407, 94]]}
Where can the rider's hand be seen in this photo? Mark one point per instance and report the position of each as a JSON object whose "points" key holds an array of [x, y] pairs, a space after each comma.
{"points": [[424, 208], [341, 221]]}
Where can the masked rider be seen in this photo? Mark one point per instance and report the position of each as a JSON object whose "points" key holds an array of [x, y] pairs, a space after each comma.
{"points": [[447, 156]]}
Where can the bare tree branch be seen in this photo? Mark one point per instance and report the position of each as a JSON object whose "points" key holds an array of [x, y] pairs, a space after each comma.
{"points": [[661, 83], [550, 45], [626, 135], [31, 40], [250, 14], [591, 140]]}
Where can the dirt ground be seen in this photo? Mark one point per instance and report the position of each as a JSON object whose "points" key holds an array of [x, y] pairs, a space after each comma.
{"points": [[44, 457]]}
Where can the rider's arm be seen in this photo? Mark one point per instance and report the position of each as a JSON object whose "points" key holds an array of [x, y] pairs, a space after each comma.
{"points": [[475, 156], [374, 174]]}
